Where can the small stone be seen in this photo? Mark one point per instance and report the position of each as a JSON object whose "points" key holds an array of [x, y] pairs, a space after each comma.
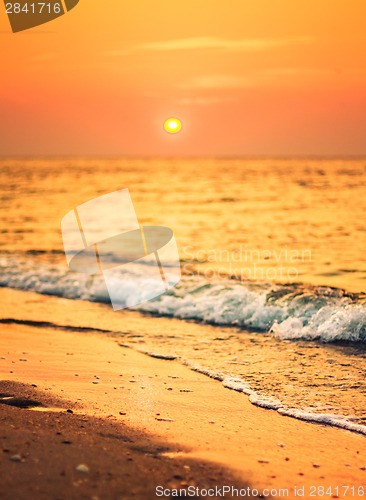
{"points": [[15, 458], [82, 468], [316, 466], [95, 382], [69, 411], [122, 413], [281, 445]]}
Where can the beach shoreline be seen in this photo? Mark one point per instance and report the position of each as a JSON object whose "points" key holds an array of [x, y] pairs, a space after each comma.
{"points": [[193, 414], [308, 380]]}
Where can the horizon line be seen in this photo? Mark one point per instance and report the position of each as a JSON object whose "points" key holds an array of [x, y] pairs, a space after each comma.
{"points": [[188, 156]]}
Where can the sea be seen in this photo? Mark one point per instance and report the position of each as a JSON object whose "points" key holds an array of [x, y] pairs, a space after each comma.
{"points": [[271, 301]]}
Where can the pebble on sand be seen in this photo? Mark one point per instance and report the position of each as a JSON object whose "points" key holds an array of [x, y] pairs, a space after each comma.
{"points": [[82, 468], [16, 458]]}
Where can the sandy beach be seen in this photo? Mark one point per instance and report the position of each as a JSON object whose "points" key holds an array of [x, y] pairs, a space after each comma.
{"points": [[182, 250], [65, 454], [139, 422]]}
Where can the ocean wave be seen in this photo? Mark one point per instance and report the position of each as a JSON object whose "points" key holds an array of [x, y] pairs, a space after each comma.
{"points": [[289, 312]]}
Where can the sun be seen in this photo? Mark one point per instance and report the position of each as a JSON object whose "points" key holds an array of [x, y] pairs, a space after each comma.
{"points": [[172, 125]]}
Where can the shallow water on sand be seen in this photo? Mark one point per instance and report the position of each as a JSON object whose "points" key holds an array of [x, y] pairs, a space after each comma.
{"points": [[308, 377]]}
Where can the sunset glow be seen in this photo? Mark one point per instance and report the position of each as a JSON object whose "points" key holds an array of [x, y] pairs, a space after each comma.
{"points": [[249, 77], [182, 243]]}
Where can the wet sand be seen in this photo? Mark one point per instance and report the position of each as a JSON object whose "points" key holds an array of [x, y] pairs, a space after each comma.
{"points": [[63, 455], [180, 416], [306, 375]]}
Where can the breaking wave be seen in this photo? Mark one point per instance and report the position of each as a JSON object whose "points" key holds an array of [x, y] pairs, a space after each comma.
{"points": [[293, 311]]}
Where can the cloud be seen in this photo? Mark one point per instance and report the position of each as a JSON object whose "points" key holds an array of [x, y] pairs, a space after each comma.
{"points": [[216, 82], [203, 101], [208, 42], [264, 77]]}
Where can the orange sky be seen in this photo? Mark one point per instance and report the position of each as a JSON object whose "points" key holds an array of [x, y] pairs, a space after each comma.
{"points": [[245, 77]]}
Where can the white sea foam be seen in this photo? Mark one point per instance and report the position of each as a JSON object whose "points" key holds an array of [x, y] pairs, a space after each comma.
{"points": [[324, 418], [288, 312], [237, 385], [270, 402]]}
